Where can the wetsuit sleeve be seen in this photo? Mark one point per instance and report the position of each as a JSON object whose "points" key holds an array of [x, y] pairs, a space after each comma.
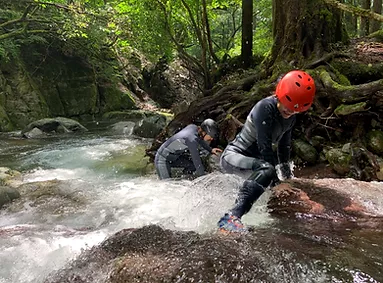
{"points": [[193, 148], [205, 145], [284, 147], [262, 118]]}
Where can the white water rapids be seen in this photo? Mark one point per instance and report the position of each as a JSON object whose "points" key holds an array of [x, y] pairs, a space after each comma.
{"points": [[37, 240]]}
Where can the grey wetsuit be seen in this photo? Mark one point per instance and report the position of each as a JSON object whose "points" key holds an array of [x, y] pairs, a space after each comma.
{"points": [[251, 154], [181, 150]]}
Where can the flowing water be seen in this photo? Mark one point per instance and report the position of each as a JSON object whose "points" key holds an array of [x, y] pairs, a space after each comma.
{"points": [[101, 198]]}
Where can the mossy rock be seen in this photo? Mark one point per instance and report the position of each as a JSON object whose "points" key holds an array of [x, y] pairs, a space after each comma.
{"points": [[359, 73], [7, 195], [375, 142], [7, 174], [339, 160], [133, 115], [114, 98], [343, 109], [305, 151], [5, 123], [52, 198], [132, 162]]}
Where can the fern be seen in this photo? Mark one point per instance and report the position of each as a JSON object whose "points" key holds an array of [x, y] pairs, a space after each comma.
{"points": [[8, 49]]}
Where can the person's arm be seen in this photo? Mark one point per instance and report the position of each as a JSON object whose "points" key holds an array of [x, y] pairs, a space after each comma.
{"points": [[262, 118], [193, 149], [284, 148], [204, 145]]}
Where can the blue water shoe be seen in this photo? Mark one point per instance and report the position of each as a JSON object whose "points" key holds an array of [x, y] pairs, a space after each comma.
{"points": [[230, 223]]}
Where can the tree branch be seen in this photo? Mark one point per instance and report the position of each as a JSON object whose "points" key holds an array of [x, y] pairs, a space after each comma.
{"points": [[327, 57], [208, 33], [350, 94], [355, 10], [21, 32]]}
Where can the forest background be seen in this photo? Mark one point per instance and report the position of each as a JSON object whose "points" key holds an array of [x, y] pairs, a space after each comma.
{"points": [[83, 59]]}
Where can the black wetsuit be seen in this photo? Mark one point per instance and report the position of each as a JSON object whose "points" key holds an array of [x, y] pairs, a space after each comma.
{"points": [[181, 151], [251, 154]]}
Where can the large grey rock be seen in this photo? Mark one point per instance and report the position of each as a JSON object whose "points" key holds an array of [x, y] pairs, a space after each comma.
{"points": [[53, 125], [150, 126], [7, 195]]}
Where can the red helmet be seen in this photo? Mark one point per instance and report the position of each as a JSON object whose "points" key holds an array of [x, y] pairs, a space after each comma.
{"points": [[296, 91]]}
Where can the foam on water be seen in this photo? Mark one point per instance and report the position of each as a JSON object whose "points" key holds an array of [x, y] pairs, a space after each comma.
{"points": [[36, 241]]}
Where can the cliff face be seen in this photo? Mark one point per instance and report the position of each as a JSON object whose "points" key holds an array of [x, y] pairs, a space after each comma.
{"points": [[45, 81]]}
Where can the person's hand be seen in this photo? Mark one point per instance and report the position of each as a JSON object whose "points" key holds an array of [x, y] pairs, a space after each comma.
{"points": [[215, 151], [275, 182], [286, 171]]}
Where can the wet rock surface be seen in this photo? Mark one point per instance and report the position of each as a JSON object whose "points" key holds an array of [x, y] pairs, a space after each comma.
{"points": [[340, 198], [151, 254], [324, 230], [296, 252]]}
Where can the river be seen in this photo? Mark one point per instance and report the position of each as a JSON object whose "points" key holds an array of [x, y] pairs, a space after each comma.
{"points": [[43, 236]]}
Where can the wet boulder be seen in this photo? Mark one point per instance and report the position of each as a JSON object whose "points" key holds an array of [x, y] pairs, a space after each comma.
{"points": [[56, 125], [152, 254], [375, 142], [9, 177], [147, 124], [294, 250], [150, 126], [52, 197], [123, 128], [355, 161], [339, 160], [305, 151], [340, 199], [7, 195], [291, 253]]}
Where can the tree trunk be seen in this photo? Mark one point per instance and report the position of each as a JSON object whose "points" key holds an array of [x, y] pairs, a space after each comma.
{"points": [[303, 30], [247, 33], [364, 21], [355, 19], [377, 8], [350, 20]]}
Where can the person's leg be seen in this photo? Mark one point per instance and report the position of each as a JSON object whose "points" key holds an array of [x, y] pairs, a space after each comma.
{"points": [[185, 162], [162, 167], [264, 173], [234, 163]]}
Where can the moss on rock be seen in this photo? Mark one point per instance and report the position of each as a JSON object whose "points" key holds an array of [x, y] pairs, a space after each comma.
{"points": [[375, 142]]}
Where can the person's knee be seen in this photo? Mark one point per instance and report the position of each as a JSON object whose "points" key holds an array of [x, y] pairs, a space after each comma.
{"points": [[269, 171], [264, 173], [251, 190]]}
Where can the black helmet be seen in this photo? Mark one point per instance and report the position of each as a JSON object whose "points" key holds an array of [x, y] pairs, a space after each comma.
{"points": [[210, 127]]}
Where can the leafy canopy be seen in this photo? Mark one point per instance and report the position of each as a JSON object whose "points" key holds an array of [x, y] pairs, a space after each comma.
{"points": [[153, 27]]}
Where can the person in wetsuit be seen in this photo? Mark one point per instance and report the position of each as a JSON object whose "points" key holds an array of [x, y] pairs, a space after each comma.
{"points": [[251, 155], [182, 149]]}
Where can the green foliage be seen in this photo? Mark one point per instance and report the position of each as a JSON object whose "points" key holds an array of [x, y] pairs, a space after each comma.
{"points": [[262, 40], [96, 29], [139, 25], [8, 49]]}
